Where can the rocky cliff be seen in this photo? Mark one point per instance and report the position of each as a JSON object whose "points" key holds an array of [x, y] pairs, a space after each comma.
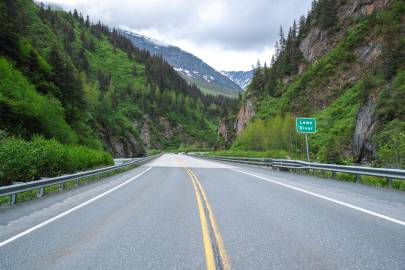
{"points": [[341, 70], [318, 42]]}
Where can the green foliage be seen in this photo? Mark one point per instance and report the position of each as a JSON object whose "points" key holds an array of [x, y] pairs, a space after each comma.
{"points": [[392, 99], [336, 125], [22, 160], [390, 135], [393, 49], [274, 134], [24, 111], [391, 141], [327, 14]]}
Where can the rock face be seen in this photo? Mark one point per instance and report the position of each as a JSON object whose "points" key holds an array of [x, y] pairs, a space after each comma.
{"points": [[246, 112], [226, 132], [145, 134], [315, 44], [319, 42], [124, 146], [368, 53], [362, 147], [361, 7], [228, 129], [222, 130]]}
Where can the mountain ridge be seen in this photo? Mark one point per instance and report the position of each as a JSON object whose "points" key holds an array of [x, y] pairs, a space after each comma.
{"points": [[189, 66]]}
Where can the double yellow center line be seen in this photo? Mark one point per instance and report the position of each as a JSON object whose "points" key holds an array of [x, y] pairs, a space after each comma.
{"points": [[215, 254]]}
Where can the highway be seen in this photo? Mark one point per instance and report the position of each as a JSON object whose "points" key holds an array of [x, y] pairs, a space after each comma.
{"points": [[181, 212]]}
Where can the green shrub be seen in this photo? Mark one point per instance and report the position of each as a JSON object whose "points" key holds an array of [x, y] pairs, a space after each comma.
{"points": [[22, 160], [274, 135]]}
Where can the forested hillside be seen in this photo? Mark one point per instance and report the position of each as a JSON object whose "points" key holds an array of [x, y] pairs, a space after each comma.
{"points": [[344, 64], [67, 78], [75, 82]]}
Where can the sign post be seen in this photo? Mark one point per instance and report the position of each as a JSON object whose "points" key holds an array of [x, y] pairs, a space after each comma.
{"points": [[306, 125]]}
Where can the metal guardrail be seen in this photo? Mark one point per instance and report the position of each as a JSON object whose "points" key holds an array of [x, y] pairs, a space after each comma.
{"points": [[13, 190], [389, 174], [120, 161]]}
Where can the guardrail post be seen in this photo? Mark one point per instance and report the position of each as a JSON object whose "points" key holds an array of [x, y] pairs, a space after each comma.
{"points": [[13, 198], [333, 175], [77, 182], [358, 178], [41, 192], [389, 180], [61, 186]]}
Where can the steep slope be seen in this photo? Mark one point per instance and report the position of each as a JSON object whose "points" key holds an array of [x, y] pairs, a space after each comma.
{"points": [[344, 65], [241, 78], [191, 68], [82, 83]]}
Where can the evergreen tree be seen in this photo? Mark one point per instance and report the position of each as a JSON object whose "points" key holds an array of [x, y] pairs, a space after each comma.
{"points": [[84, 64], [87, 23], [327, 14], [10, 28]]}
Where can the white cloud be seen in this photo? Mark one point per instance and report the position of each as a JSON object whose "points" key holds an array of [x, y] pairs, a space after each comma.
{"points": [[227, 34]]}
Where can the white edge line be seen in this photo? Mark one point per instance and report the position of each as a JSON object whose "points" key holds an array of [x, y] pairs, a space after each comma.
{"points": [[36, 227], [400, 222]]}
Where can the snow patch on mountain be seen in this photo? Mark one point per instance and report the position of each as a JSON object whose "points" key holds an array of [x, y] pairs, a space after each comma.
{"points": [[241, 78]]}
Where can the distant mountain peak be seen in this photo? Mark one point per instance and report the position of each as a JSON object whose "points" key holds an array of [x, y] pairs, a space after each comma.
{"points": [[241, 78], [190, 67]]}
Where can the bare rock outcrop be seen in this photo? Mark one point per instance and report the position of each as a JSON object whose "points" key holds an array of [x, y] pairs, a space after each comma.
{"points": [[362, 147], [315, 44], [318, 42], [368, 53], [126, 146], [226, 132], [361, 7], [246, 112]]}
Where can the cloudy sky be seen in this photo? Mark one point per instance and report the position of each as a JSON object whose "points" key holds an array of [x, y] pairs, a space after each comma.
{"points": [[227, 34]]}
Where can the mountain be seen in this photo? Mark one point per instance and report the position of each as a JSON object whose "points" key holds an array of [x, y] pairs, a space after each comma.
{"points": [[86, 85], [241, 78], [343, 64], [190, 67]]}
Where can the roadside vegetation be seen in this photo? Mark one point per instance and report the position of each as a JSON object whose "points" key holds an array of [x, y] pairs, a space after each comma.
{"points": [[23, 161]]}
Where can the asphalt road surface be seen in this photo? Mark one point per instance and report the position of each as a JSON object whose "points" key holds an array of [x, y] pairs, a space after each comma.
{"points": [[180, 212]]}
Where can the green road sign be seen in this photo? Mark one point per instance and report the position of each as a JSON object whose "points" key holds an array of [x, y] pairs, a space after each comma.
{"points": [[305, 125]]}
